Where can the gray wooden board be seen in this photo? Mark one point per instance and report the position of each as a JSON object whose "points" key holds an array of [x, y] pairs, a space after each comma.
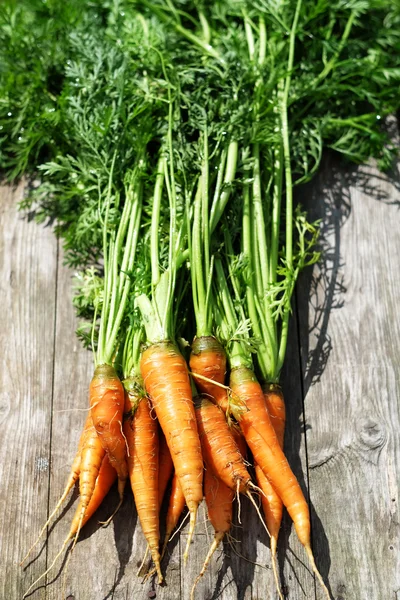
{"points": [[28, 260], [350, 349], [343, 420]]}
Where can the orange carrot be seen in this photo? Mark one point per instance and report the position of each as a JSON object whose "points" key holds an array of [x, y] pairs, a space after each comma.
{"points": [[107, 405], [276, 409], [272, 505], [141, 432], [92, 454], [239, 439], [264, 444], [271, 502], [208, 359], [273, 511], [219, 448], [105, 479], [219, 499], [175, 509], [165, 465], [166, 380]]}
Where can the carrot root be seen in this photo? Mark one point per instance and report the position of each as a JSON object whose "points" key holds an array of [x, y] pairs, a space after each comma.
{"points": [[192, 525], [273, 546], [67, 489], [316, 572], [219, 536], [68, 539]]}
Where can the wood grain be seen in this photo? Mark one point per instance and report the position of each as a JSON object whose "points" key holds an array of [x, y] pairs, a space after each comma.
{"points": [[350, 344], [28, 261]]}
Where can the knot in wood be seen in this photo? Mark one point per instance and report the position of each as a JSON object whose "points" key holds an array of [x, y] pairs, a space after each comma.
{"points": [[372, 434]]}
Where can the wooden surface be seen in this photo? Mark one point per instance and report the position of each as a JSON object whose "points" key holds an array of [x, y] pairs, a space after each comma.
{"points": [[341, 383]]}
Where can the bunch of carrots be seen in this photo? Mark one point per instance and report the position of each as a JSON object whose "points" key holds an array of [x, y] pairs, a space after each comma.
{"points": [[176, 201]]}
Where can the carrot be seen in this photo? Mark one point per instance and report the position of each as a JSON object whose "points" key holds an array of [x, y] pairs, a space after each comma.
{"points": [[208, 360], [220, 451], [92, 455], [273, 511], [271, 502], [175, 509], [239, 440], [276, 409], [105, 479], [141, 432], [264, 444], [165, 465], [106, 394], [166, 380], [219, 499]]}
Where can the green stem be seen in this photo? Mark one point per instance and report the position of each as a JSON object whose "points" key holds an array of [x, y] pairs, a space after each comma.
{"points": [[331, 63], [286, 143], [202, 45], [135, 227], [259, 221], [276, 212], [205, 27], [288, 173], [107, 270], [225, 297], [247, 248], [238, 355], [249, 37], [262, 42], [173, 246], [131, 353], [115, 259], [220, 202], [206, 47], [155, 222], [200, 261], [205, 204], [199, 290]]}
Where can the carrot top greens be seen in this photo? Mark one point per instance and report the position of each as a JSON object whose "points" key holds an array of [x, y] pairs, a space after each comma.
{"points": [[207, 114]]}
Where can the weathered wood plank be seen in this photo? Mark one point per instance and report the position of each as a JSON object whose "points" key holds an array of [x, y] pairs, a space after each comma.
{"points": [[350, 332], [28, 260]]}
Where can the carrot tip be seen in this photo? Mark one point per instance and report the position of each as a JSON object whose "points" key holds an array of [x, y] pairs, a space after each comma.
{"points": [[121, 488], [110, 518], [219, 536], [273, 546], [192, 524], [316, 572]]}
